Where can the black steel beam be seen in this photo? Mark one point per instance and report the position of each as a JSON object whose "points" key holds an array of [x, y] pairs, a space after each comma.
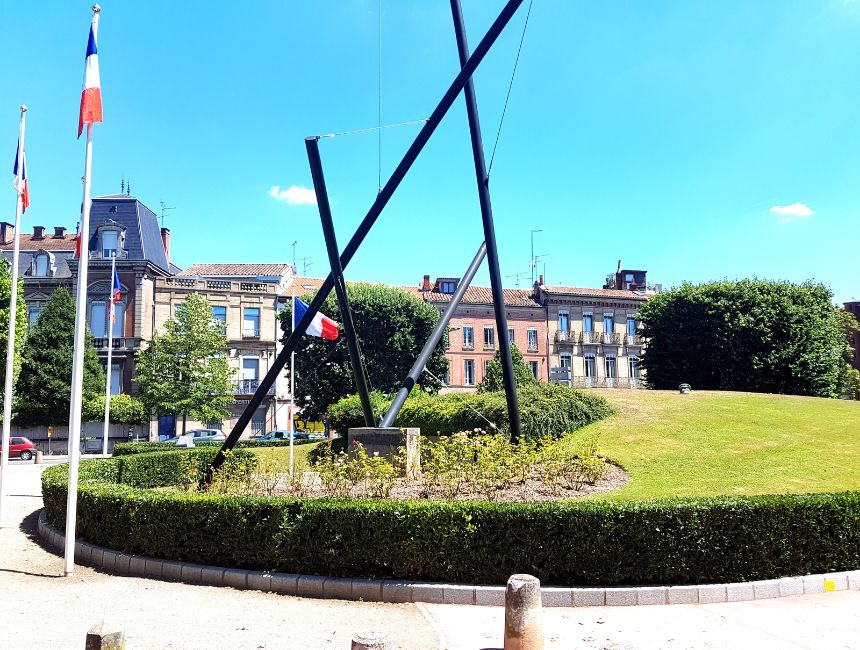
{"points": [[364, 227], [489, 228], [312, 146], [433, 341]]}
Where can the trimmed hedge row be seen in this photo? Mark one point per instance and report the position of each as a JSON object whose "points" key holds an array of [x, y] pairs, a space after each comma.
{"points": [[544, 409], [678, 541], [127, 448]]}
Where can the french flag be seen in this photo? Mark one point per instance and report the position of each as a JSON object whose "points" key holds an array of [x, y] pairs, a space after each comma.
{"points": [[115, 296], [20, 183], [322, 326], [91, 97], [78, 242]]}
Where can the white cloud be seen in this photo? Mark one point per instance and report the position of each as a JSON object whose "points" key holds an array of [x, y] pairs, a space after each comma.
{"points": [[791, 212], [294, 195]]}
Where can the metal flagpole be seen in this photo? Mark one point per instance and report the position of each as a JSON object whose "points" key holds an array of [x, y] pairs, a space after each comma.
{"points": [[292, 378], [13, 313], [110, 355]]}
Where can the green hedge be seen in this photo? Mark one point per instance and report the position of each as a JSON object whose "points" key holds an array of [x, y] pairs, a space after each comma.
{"points": [[544, 409], [127, 448], [679, 541]]}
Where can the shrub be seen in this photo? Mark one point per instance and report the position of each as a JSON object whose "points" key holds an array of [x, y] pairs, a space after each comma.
{"points": [[544, 409], [674, 541], [128, 448]]}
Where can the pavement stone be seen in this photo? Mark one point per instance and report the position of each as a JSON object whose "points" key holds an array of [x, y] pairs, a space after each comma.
{"points": [[137, 565], [712, 594], [171, 570], [492, 596], [153, 568], [191, 573], [109, 560], [556, 597], [813, 584], [736, 591], [369, 590], [765, 589], [854, 579], [283, 583], [122, 563], [236, 578], [212, 575], [791, 587], [428, 593], [260, 580], [308, 586], [682, 595], [459, 594], [586, 597], [340, 588], [651, 596], [840, 581], [621, 596], [396, 591]]}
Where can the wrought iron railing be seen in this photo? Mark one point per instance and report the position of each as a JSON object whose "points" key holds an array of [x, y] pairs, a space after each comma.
{"points": [[119, 343], [592, 337], [249, 387], [566, 336]]}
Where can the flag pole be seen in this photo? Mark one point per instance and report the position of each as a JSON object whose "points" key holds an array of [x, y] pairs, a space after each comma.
{"points": [[13, 313], [292, 379], [112, 309]]}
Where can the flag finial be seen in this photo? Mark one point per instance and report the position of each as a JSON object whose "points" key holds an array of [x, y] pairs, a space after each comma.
{"points": [[96, 9], [23, 108]]}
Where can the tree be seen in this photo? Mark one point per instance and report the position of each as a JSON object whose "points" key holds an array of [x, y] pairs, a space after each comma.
{"points": [[20, 323], [748, 335], [44, 388], [391, 325], [185, 371], [849, 378], [493, 380]]}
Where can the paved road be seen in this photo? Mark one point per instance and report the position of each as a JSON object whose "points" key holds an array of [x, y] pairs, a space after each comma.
{"points": [[42, 609]]}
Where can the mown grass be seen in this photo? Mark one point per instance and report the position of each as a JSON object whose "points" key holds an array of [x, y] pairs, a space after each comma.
{"points": [[281, 455], [712, 443]]}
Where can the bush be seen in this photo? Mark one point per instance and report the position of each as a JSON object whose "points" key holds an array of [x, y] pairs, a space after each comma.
{"points": [[127, 448], [675, 541], [545, 409]]}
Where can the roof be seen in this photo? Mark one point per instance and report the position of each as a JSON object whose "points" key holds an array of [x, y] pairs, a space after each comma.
{"points": [[239, 270], [142, 233], [303, 284], [484, 296], [47, 243], [25, 262], [595, 293]]}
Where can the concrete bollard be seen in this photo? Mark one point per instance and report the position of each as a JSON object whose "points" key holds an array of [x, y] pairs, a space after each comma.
{"points": [[37, 458], [372, 641], [523, 613], [684, 389], [98, 639]]}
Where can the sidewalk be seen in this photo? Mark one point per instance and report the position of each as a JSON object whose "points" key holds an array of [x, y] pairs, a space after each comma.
{"points": [[43, 609]]}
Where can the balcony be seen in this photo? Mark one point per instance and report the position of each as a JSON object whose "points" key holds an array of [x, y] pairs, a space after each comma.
{"points": [[533, 347], [250, 333], [249, 387], [592, 338], [565, 336], [119, 343], [612, 338], [468, 346], [635, 339]]}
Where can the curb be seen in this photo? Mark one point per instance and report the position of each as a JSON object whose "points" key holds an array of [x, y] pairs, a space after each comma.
{"points": [[399, 591]]}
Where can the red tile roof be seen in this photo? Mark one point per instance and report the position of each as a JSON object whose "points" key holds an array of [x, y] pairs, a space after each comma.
{"points": [[484, 296], [239, 270], [48, 243], [596, 293]]}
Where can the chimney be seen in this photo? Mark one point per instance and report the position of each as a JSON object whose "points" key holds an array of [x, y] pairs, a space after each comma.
{"points": [[59, 232], [425, 284], [7, 232], [38, 232], [540, 279], [165, 238]]}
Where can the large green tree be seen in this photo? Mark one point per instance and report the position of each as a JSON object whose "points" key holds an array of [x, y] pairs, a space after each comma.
{"points": [[747, 335], [184, 371], [392, 327], [20, 323], [43, 391], [493, 379]]}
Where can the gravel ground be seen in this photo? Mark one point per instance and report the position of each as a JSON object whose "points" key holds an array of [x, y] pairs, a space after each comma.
{"points": [[43, 609]]}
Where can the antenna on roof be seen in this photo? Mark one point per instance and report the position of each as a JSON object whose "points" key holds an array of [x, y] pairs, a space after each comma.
{"points": [[306, 265], [164, 209], [518, 276], [128, 188], [122, 186]]}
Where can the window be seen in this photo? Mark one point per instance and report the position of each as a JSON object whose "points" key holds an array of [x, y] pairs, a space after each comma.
{"points": [[564, 357], [119, 319], [468, 372], [633, 367], [98, 318], [258, 424], [447, 287], [250, 368], [486, 365], [510, 335], [535, 369], [631, 325], [563, 321], [611, 367], [219, 314], [115, 378], [587, 321], [533, 344], [251, 322], [41, 269], [448, 376], [608, 322], [110, 238], [590, 366], [468, 337], [16, 441], [489, 337], [34, 312]]}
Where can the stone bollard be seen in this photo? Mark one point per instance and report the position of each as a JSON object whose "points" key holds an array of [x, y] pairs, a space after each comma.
{"points": [[98, 639], [684, 389], [523, 613], [372, 641], [37, 458]]}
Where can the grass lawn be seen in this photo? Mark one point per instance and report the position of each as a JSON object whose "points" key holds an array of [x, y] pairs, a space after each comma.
{"points": [[281, 455], [722, 443]]}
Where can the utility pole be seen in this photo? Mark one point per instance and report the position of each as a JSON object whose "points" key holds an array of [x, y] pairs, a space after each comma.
{"points": [[533, 262]]}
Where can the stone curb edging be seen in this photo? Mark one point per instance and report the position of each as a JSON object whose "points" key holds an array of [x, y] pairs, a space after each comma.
{"points": [[398, 591]]}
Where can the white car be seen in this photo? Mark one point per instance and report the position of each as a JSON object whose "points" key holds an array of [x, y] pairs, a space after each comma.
{"points": [[201, 435]]}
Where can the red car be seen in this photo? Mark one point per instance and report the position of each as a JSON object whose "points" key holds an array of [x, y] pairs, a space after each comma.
{"points": [[20, 448]]}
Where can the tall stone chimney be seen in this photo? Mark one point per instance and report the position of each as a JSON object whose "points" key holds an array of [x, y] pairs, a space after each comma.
{"points": [[425, 284], [59, 232], [38, 232], [165, 239], [7, 232]]}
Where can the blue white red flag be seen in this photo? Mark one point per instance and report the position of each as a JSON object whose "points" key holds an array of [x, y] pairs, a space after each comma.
{"points": [[78, 242], [91, 97], [321, 325], [115, 296], [20, 183]]}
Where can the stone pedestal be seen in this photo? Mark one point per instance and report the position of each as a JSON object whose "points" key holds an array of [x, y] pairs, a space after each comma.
{"points": [[387, 441]]}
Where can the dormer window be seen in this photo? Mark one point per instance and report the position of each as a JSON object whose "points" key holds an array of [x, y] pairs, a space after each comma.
{"points": [[43, 265], [110, 241], [447, 286]]}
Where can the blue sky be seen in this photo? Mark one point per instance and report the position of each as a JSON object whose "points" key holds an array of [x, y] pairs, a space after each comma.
{"points": [[697, 140]]}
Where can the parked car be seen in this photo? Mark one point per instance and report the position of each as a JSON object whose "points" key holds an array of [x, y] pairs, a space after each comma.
{"points": [[201, 435], [20, 447], [281, 434]]}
